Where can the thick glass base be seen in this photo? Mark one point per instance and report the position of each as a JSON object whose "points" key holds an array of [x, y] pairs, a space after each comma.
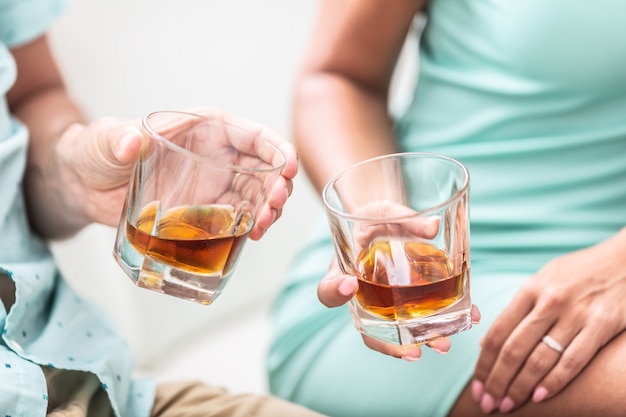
{"points": [[147, 273], [453, 319]]}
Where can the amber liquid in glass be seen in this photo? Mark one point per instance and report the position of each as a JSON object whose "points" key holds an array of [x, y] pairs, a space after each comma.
{"points": [[430, 285], [199, 239]]}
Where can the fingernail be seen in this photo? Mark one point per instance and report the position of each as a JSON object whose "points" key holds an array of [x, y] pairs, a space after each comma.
{"points": [[347, 287], [477, 390], [131, 134], [432, 225], [124, 142], [441, 346], [487, 404], [540, 394], [439, 351], [122, 145], [412, 355], [506, 405]]}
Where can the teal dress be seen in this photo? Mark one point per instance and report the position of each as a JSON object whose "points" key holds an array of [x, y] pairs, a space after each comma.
{"points": [[49, 325], [531, 96]]}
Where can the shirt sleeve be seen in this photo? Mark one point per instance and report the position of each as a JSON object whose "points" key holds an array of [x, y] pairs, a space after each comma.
{"points": [[24, 20]]}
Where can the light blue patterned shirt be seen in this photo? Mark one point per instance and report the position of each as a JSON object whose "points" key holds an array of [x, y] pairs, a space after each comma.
{"points": [[49, 324]]}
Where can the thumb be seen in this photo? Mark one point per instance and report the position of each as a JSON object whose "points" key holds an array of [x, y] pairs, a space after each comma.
{"points": [[336, 289], [126, 148], [105, 151]]}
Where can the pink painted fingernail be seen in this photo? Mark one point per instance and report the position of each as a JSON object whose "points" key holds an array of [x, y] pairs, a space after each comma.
{"points": [[439, 351], [477, 390], [412, 354], [540, 394], [487, 404], [506, 405], [347, 287]]}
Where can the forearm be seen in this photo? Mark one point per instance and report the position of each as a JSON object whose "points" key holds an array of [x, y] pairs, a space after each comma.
{"points": [[341, 109], [39, 99], [336, 124], [53, 209]]}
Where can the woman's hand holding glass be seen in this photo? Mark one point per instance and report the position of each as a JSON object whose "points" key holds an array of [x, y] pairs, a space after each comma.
{"points": [[337, 288]]}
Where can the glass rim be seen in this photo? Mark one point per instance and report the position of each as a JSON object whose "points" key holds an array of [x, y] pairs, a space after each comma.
{"points": [[457, 195], [204, 159]]}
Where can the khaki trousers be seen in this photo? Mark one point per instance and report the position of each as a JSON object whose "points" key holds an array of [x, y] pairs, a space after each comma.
{"points": [[78, 394]]}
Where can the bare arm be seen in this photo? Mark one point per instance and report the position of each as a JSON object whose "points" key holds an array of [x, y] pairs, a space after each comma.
{"points": [[341, 113], [40, 101]]}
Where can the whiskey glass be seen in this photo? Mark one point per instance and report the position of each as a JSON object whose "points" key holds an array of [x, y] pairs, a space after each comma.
{"points": [[400, 224], [192, 200]]}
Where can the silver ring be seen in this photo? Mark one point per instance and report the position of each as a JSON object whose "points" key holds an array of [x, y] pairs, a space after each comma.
{"points": [[552, 344]]}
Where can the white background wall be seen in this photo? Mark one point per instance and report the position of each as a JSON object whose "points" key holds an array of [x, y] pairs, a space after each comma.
{"points": [[129, 57]]}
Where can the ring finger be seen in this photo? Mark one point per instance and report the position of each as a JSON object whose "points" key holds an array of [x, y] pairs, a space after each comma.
{"points": [[512, 356], [542, 359]]}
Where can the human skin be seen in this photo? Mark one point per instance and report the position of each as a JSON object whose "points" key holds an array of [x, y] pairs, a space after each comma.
{"points": [[345, 82]]}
